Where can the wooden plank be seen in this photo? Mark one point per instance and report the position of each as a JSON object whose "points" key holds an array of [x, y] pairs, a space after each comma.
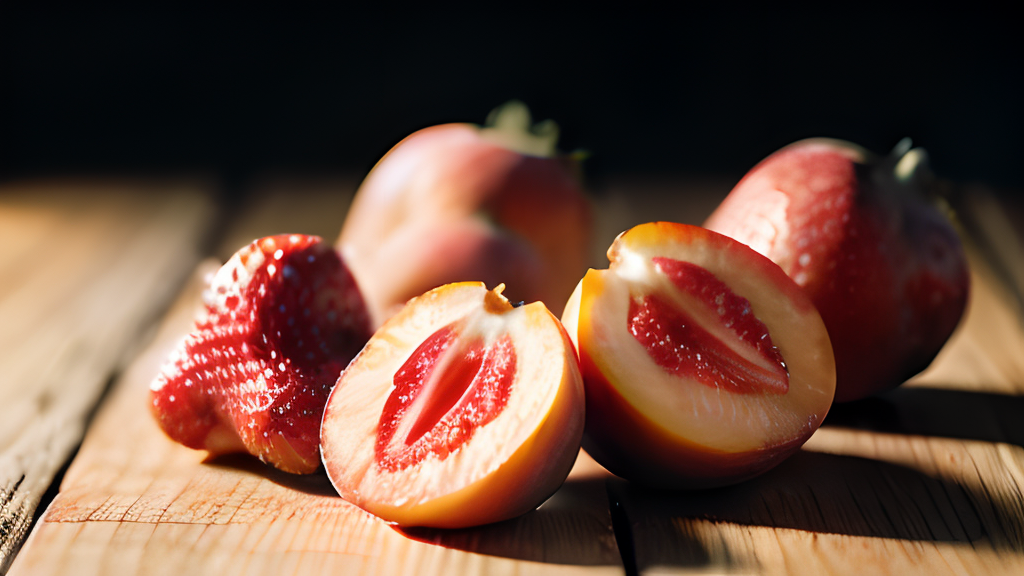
{"points": [[925, 479], [996, 223], [86, 266], [133, 502]]}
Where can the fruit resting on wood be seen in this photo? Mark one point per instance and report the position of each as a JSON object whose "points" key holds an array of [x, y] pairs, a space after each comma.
{"points": [[283, 317], [704, 364], [456, 202], [461, 410], [884, 267]]}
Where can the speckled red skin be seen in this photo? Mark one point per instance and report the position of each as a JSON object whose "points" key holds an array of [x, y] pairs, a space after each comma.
{"points": [[885, 269], [637, 448], [447, 205], [255, 373]]}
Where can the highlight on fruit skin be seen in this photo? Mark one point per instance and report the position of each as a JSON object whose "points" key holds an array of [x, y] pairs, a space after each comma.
{"points": [[461, 410], [459, 202], [865, 237], [704, 364], [281, 319]]}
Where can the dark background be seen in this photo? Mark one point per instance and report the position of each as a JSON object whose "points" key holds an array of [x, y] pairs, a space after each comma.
{"points": [[238, 92]]}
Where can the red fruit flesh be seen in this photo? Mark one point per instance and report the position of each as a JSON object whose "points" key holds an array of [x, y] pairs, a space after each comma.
{"points": [[704, 364], [680, 345], [466, 392], [461, 410], [283, 318]]}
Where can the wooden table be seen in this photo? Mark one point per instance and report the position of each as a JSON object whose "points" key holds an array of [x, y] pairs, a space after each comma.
{"points": [[99, 279]]}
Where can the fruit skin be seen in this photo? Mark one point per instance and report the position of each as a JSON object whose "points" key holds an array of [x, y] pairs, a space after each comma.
{"points": [[885, 267], [282, 318], [457, 202], [639, 449], [624, 434], [528, 465]]}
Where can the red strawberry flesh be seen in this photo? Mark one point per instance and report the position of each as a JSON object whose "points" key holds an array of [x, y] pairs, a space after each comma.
{"points": [[284, 317]]}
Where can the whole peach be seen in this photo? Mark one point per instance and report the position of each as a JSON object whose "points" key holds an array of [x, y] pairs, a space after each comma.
{"points": [[457, 202]]}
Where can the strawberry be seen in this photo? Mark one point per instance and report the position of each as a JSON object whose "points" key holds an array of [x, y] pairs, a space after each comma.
{"points": [[283, 317]]}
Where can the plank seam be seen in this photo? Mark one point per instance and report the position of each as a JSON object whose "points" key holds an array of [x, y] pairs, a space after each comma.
{"points": [[623, 532]]}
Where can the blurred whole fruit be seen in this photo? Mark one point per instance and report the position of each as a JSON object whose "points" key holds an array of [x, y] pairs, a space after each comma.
{"points": [[457, 202], [883, 265]]}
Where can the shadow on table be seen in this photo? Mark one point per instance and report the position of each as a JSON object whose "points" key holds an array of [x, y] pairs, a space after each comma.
{"points": [[812, 492], [573, 527], [316, 484], [960, 414], [601, 521]]}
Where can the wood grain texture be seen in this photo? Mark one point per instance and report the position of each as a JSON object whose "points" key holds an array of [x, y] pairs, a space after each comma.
{"points": [[925, 479], [85, 268], [133, 502]]}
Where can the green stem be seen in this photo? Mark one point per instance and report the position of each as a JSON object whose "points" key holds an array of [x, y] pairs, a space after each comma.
{"points": [[509, 125]]}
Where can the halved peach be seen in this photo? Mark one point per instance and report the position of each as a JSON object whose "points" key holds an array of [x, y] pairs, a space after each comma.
{"points": [[461, 410], [704, 364]]}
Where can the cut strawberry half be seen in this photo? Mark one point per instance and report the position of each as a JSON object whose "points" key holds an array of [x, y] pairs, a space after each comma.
{"points": [[704, 363], [461, 410], [283, 318]]}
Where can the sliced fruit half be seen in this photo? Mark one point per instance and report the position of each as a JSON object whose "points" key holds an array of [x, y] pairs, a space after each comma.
{"points": [[461, 410], [704, 363]]}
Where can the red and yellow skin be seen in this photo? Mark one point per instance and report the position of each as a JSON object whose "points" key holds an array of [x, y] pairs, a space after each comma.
{"points": [[461, 410], [696, 427], [457, 202], [883, 265]]}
